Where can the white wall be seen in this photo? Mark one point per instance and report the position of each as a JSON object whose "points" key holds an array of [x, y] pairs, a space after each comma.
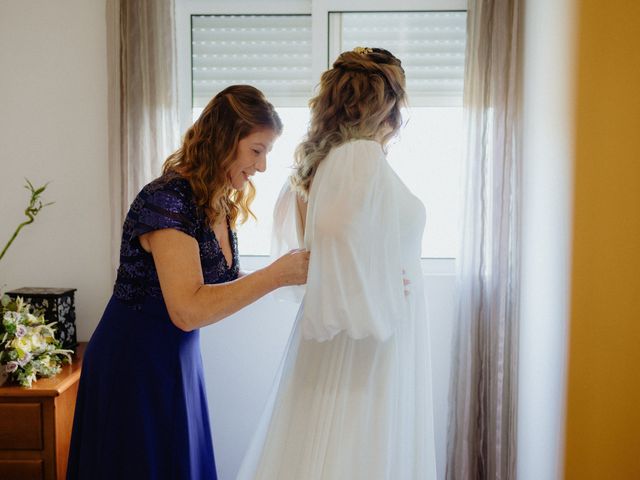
{"points": [[547, 186], [53, 127], [242, 354]]}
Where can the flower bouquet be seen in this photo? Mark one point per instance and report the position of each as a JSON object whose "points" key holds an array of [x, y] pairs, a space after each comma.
{"points": [[28, 345]]}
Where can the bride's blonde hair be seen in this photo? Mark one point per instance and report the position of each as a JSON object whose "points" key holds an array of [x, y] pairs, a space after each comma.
{"points": [[360, 96]]}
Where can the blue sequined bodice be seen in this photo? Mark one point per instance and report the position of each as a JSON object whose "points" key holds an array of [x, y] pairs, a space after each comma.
{"points": [[167, 203]]}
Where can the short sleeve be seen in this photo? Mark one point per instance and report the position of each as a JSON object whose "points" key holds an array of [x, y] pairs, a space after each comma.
{"points": [[355, 272], [167, 206]]}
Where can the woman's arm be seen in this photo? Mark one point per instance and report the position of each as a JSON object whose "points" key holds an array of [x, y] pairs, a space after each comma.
{"points": [[192, 304]]}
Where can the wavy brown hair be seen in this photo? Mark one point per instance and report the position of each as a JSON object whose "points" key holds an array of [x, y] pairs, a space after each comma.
{"points": [[360, 96], [209, 148]]}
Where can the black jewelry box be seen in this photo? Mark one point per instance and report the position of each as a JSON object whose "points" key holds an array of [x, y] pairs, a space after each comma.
{"points": [[57, 305]]}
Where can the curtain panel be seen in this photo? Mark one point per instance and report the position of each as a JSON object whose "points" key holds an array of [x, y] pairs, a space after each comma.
{"points": [[483, 390], [143, 100]]}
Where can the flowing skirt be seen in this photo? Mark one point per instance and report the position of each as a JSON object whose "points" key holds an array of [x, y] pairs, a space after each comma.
{"points": [[348, 409], [141, 410]]}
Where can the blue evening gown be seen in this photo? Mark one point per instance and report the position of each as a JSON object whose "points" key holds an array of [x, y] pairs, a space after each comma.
{"points": [[141, 411]]}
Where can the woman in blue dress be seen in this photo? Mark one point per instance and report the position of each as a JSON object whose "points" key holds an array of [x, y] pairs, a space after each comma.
{"points": [[141, 411]]}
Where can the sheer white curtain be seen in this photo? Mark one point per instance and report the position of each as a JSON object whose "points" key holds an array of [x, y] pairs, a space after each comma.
{"points": [[482, 420], [143, 110]]}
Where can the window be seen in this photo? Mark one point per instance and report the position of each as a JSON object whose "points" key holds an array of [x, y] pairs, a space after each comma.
{"points": [[283, 47], [427, 155], [273, 53]]}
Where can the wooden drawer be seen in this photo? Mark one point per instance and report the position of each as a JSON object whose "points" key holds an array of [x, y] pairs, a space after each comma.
{"points": [[20, 427], [21, 470], [35, 425]]}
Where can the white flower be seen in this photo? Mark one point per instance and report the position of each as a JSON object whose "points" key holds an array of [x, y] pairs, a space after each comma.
{"points": [[11, 317], [23, 344], [11, 366], [21, 331], [30, 379], [45, 360], [37, 342], [20, 303], [25, 359]]}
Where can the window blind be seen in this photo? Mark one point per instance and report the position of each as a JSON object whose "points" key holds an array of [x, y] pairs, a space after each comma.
{"points": [[270, 52], [431, 46]]}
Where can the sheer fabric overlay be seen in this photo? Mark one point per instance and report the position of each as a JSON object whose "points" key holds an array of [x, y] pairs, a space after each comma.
{"points": [[353, 396], [484, 367]]}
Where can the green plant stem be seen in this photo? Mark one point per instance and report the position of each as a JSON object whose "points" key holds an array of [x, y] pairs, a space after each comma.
{"points": [[15, 234], [35, 205]]}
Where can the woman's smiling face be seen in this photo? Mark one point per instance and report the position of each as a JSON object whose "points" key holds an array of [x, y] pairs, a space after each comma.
{"points": [[251, 156]]}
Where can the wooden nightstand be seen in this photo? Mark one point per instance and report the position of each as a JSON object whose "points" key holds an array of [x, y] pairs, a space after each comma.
{"points": [[35, 425]]}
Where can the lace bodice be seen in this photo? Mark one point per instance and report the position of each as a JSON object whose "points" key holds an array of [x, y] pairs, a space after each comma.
{"points": [[167, 203]]}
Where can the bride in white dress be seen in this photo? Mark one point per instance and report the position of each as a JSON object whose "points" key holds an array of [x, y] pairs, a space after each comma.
{"points": [[353, 398]]}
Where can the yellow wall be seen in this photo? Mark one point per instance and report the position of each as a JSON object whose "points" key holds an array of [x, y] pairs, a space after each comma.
{"points": [[603, 410]]}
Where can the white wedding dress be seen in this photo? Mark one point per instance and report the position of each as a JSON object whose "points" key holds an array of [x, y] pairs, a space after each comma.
{"points": [[353, 399]]}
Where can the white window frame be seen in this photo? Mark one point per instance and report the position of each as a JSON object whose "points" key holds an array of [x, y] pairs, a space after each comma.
{"points": [[322, 8], [183, 11], [319, 11]]}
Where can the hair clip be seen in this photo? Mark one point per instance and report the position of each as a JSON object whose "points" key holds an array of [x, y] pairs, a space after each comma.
{"points": [[363, 50]]}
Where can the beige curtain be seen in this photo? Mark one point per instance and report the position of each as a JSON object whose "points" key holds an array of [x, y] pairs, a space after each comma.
{"points": [[143, 110], [482, 420]]}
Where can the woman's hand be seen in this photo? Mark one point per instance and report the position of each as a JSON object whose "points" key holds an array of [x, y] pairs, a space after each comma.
{"points": [[290, 269], [190, 303]]}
